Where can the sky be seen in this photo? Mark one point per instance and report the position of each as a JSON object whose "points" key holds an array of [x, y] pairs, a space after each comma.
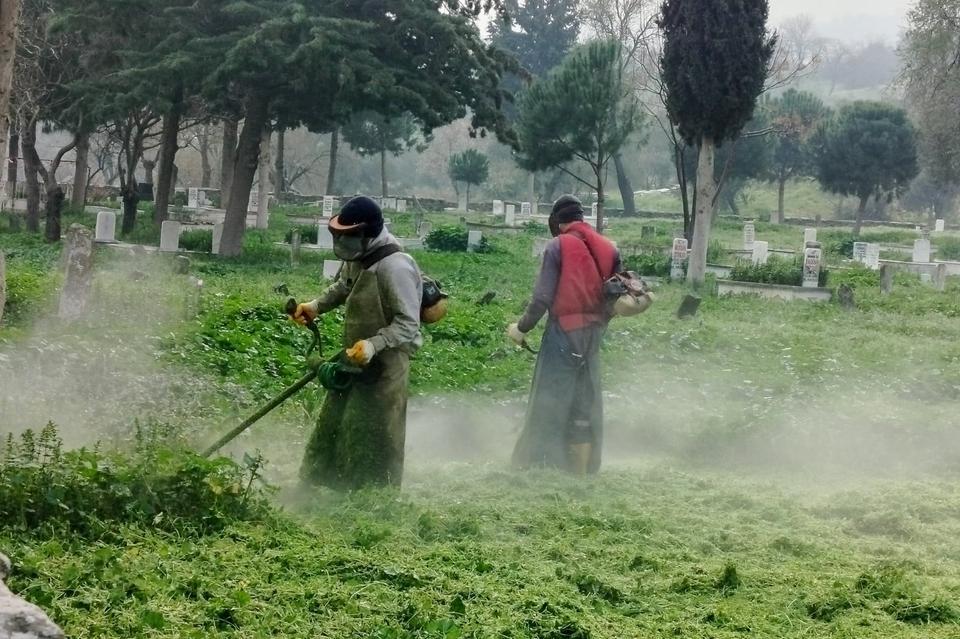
{"points": [[847, 20]]}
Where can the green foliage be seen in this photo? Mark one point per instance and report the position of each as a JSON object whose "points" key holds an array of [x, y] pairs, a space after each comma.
{"points": [[197, 240], [776, 271], [649, 264], [88, 493], [869, 149], [794, 116], [308, 234], [452, 238], [714, 65], [470, 166], [31, 278], [948, 248], [582, 109]]}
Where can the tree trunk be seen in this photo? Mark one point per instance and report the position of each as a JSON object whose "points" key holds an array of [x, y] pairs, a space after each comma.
{"points": [[244, 169], [468, 196], [334, 152], [383, 173], [858, 224], [781, 192], [532, 192], [31, 170], [9, 17], [81, 167], [600, 199], [148, 167], [54, 209], [228, 157], [281, 181], [130, 198], [206, 171], [263, 172], [706, 191], [13, 152], [168, 154], [679, 163], [626, 189]]}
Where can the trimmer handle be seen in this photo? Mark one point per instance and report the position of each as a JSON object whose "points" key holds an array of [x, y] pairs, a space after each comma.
{"points": [[291, 310]]}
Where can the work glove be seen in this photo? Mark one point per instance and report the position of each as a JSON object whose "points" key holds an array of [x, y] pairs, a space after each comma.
{"points": [[361, 353], [515, 335], [305, 313]]}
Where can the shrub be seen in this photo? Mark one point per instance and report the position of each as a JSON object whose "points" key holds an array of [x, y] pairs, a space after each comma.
{"points": [[452, 238], [948, 248], [775, 271], [308, 234], [649, 264], [88, 492], [197, 240]]}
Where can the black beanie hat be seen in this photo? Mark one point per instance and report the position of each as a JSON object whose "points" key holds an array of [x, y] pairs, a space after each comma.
{"points": [[361, 210], [567, 209]]}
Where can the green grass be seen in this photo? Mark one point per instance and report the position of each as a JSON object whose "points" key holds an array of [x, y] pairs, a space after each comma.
{"points": [[774, 469]]}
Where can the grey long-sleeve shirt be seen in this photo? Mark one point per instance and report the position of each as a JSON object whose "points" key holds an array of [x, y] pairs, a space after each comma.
{"points": [[401, 291]]}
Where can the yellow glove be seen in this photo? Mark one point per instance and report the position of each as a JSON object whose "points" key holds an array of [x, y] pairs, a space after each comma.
{"points": [[361, 353], [516, 335], [305, 313]]}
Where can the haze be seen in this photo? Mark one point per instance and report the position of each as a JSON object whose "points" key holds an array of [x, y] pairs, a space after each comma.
{"points": [[847, 20]]}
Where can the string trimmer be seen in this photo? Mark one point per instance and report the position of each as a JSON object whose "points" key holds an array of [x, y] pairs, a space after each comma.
{"points": [[336, 374]]}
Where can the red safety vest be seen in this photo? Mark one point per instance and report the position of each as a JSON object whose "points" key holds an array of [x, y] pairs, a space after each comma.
{"points": [[587, 260]]}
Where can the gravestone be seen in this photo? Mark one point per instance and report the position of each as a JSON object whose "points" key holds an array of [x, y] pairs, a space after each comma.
{"points": [[812, 257], [648, 232], [329, 203], [860, 252], [401, 206], [331, 268], [181, 265], [79, 272], [20, 619], [845, 293], [540, 246], [761, 252], [193, 198], [106, 227], [474, 238], [873, 257], [3, 283], [462, 201], [170, 236], [809, 235], [941, 226], [324, 236], [253, 201], [886, 279], [679, 257], [688, 307], [526, 209], [425, 229], [498, 207], [510, 216], [940, 277], [921, 251], [749, 235], [390, 203], [295, 247], [217, 237]]}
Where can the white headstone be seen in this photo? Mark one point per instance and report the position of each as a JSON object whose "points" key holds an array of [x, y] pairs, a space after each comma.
{"points": [[761, 252], [498, 207], [253, 201], [390, 203], [679, 257], [324, 236], [170, 236], [425, 229], [809, 235], [217, 237], [331, 268], [593, 209], [873, 257], [401, 206], [193, 198], [749, 236], [812, 257], [106, 227], [860, 252], [510, 216], [526, 210], [921, 251], [473, 240], [329, 202], [540, 246], [78, 279], [941, 226]]}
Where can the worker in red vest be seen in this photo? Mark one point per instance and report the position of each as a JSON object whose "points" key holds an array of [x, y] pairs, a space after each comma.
{"points": [[564, 425]]}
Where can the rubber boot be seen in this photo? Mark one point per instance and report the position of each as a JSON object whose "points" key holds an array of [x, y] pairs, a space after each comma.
{"points": [[580, 458]]}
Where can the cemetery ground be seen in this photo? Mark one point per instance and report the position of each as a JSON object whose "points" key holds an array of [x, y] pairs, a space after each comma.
{"points": [[773, 469]]}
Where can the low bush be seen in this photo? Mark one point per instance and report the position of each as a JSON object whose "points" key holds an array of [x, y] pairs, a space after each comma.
{"points": [[649, 264], [197, 240], [452, 238], [308, 234], [47, 491], [948, 248], [775, 271]]}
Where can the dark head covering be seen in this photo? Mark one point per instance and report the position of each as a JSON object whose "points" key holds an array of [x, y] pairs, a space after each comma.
{"points": [[358, 211], [565, 210]]}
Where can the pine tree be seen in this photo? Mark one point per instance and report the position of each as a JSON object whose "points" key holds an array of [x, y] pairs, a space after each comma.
{"points": [[714, 64], [370, 133], [469, 167]]}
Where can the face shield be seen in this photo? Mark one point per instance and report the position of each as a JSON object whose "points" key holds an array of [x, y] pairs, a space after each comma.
{"points": [[349, 248]]}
